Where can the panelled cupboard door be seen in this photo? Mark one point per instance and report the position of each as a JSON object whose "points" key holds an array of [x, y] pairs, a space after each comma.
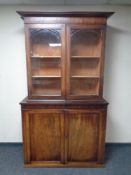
{"points": [[85, 58], [45, 136], [82, 131], [45, 58]]}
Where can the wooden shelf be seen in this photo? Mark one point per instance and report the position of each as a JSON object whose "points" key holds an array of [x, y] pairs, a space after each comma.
{"points": [[46, 76], [45, 57], [80, 56], [82, 76]]}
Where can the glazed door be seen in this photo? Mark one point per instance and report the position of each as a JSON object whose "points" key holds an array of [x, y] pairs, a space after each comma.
{"points": [[45, 57], [82, 136], [44, 136], [85, 58]]}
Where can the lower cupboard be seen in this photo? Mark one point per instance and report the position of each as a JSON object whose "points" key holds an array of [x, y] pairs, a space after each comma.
{"points": [[64, 137]]}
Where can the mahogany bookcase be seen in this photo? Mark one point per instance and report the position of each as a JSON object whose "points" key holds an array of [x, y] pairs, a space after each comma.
{"points": [[64, 115]]}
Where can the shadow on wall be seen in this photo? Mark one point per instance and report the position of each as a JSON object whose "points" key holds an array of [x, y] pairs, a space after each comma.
{"points": [[109, 78], [110, 61], [20, 31]]}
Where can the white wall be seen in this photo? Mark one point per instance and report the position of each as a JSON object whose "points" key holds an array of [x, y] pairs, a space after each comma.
{"points": [[117, 85]]}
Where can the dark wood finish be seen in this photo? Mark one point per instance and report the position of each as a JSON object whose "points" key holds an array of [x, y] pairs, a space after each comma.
{"points": [[43, 144], [49, 65], [66, 20], [48, 68], [59, 127], [78, 122], [64, 14], [68, 165], [46, 135], [64, 115], [28, 104], [86, 58], [89, 149]]}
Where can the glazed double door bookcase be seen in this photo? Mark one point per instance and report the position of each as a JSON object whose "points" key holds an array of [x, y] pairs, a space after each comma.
{"points": [[65, 61], [64, 114]]}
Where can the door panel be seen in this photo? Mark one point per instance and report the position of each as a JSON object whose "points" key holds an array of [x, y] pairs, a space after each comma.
{"points": [[46, 135], [82, 130], [85, 57], [46, 57]]}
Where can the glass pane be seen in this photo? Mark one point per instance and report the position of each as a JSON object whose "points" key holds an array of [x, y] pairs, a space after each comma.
{"points": [[85, 42], [85, 67], [46, 67], [46, 61], [84, 86], [85, 61], [46, 86]]}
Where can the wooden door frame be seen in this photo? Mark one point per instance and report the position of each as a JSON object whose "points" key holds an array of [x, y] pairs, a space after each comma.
{"points": [[101, 136], [102, 29], [28, 60], [26, 136]]}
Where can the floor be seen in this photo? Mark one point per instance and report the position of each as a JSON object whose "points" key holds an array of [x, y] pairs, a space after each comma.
{"points": [[118, 162]]}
